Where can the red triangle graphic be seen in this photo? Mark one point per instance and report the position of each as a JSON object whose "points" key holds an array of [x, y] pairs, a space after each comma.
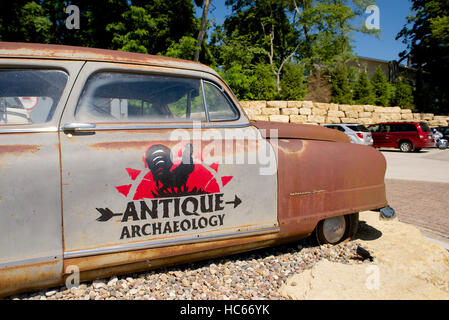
{"points": [[214, 166], [133, 173], [226, 179], [124, 189]]}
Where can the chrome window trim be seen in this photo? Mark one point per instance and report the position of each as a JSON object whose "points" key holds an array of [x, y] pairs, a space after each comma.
{"points": [[204, 101], [165, 243], [137, 72], [233, 106], [31, 66], [28, 130], [206, 125]]}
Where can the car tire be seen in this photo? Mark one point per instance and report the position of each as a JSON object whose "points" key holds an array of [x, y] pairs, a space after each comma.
{"points": [[336, 229], [406, 146]]}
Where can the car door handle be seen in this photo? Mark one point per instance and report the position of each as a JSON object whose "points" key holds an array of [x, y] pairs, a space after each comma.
{"points": [[78, 127]]}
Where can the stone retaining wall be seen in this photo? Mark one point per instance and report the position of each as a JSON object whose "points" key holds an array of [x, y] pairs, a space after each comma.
{"points": [[318, 113]]}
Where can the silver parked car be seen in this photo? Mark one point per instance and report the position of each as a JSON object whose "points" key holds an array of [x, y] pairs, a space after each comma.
{"points": [[358, 133]]}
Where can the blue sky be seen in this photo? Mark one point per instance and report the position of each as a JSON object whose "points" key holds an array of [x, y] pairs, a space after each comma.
{"points": [[393, 14]]}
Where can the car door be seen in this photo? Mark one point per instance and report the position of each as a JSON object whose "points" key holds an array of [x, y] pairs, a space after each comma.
{"points": [[384, 136], [375, 133], [154, 157], [32, 96]]}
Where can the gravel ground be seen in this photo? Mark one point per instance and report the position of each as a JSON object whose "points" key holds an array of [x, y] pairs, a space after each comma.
{"points": [[254, 275]]}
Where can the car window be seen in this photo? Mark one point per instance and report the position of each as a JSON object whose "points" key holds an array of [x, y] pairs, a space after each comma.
{"points": [[374, 128], [425, 127], [218, 105], [339, 128], [122, 97], [385, 128], [29, 96], [404, 127], [358, 128]]}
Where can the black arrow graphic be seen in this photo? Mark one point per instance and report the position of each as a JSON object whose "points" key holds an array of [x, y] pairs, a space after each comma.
{"points": [[106, 214], [236, 201]]}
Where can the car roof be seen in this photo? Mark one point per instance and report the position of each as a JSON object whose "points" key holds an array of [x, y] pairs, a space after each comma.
{"points": [[413, 122], [62, 52], [343, 124]]}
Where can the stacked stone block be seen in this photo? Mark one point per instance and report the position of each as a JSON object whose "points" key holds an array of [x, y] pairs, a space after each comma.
{"points": [[308, 112]]}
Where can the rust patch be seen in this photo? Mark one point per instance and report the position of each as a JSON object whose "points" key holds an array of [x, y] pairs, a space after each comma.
{"points": [[19, 49], [300, 131], [18, 149], [185, 250], [351, 175], [29, 277], [173, 260], [119, 145]]}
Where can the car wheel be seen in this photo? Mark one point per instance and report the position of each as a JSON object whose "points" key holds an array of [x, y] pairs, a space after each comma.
{"points": [[406, 146], [336, 229]]}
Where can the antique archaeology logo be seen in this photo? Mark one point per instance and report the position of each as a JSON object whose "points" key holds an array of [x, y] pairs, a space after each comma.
{"points": [[184, 192]]}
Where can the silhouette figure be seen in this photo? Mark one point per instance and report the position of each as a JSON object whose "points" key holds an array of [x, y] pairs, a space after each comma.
{"points": [[159, 161]]}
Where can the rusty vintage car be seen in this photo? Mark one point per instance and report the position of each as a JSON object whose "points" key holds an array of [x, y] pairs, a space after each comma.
{"points": [[114, 162]]}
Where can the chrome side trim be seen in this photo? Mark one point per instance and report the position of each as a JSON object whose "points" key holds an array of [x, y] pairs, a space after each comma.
{"points": [[24, 262], [181, 126], [28, 130], [164, 243], [204, 101]]}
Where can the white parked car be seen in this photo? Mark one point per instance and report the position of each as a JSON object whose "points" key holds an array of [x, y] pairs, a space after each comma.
{"points": [[358, 133]]}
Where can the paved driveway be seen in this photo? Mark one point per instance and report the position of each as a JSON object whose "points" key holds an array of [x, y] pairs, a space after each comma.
{"points": [[418, 189], [427, 165]]}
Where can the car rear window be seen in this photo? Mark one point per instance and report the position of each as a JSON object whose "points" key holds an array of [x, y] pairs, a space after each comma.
{"points": [[358, 128], [425, 127], [29, 96]]}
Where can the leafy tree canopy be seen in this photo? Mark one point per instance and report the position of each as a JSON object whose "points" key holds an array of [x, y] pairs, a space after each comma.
{"points": [[427, 36]]}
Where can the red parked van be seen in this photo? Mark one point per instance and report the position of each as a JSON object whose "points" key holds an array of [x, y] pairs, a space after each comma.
{"points": [[407, 136]]}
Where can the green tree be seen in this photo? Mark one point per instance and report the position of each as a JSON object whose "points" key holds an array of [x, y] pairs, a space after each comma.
{"points": [[403, 95], [240, 80], [184, 49], [312, 32], [363, 90], [35, 24], [340, 85], [426, 35], [134, 34], [152, 27], [25, 21], [263, 84], [293, 84], [380, 88]]}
